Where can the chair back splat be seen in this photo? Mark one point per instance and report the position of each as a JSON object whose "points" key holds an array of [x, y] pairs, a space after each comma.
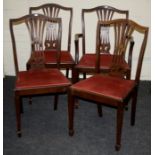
{"points": [[36, 25], [58, 35], [52, 10], [104, 13], [123, 30]]}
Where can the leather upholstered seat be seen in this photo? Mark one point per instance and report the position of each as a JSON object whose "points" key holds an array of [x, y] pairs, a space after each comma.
{"points": [[44, 78], [108, 86]]}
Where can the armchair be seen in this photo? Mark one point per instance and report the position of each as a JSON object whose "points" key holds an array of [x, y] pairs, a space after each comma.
{"points": [[86, 64]]}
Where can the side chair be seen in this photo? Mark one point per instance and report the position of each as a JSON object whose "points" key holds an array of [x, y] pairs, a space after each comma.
{"points": [[113, 89], [38, 80]]}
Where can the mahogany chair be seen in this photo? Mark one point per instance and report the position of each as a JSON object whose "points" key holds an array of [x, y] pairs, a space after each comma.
{"points": [[52, 43], [86, 64], [37, 80], [114, 89]]}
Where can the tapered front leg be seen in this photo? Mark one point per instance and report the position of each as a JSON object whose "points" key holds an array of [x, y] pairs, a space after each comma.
{"points": [[120, 115], [21, 106], [133, 106], [28, 66], [71, 103], [75, 78], [18, 114]]}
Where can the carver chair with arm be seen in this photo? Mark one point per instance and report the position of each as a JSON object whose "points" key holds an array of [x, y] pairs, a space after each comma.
{"points": [[114, 89], [86, 63], [38, 80]]}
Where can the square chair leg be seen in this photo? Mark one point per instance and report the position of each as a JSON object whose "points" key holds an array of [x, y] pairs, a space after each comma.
{"points": [[18, 114], [71, 102], [120, 115]]}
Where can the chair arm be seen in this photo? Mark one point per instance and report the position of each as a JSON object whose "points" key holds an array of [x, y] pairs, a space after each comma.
{"points": [[76, 41]]}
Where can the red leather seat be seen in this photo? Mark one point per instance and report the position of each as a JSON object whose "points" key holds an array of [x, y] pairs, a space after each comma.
{"points": [[34, 79], [107, 86]]}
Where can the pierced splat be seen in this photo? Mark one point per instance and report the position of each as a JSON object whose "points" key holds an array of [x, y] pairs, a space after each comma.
{"points": [[36, 25], [105, 14], [104, 40], [53, 34], [53, 40], [122, 34], [51, 11]]}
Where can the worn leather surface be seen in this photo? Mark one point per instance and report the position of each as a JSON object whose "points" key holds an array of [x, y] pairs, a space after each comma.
{"points": [[41, 78], [108, 86], [89, 61], [50, 57]]}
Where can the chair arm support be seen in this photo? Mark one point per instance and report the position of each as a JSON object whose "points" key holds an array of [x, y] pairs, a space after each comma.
{"points": [[130, 51], [76, 41]]}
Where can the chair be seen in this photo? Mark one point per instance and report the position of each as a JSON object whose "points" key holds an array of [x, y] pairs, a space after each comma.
{"points": [[114, 89], [86, 64], [52, 43], [37, 80]]}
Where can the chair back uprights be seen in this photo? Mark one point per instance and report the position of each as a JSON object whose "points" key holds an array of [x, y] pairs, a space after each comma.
{"points": [[52, 10], [36, 25], [104, 13], [123, 30]]}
